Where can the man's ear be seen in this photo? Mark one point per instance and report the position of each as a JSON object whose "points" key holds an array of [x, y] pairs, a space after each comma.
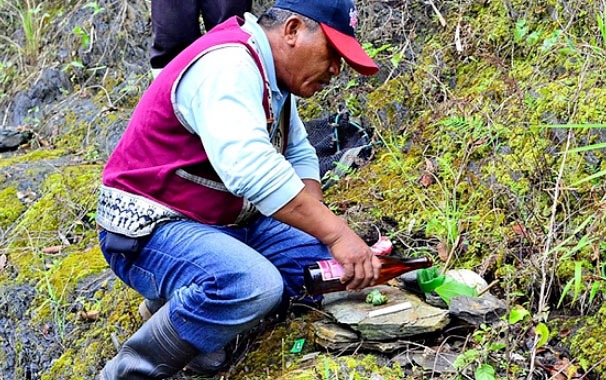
{"points": [[292, 29]]}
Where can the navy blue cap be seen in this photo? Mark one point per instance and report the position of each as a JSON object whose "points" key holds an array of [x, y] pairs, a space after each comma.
{"points": [[338, 19]]}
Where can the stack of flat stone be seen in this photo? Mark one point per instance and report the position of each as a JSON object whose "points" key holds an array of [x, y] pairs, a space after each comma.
{"points": [[353, 327], [356, 324]]}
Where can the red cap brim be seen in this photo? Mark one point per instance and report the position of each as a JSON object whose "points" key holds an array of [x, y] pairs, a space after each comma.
{"points": [[350, 50]]}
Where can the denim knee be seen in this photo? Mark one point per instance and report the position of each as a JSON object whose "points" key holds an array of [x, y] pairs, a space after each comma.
{"points": [[260, 290], [237, 297]]}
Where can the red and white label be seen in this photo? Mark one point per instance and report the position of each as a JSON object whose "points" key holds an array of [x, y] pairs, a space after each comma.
{"points": [[331, 269], [382, 247]]}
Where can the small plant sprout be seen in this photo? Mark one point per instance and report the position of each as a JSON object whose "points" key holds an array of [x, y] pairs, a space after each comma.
{"points": [[601, 18], [96, 8], [84, 37]]}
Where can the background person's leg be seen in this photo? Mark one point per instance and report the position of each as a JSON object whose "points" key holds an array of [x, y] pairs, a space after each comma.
{"points": [[215, 12], [175, 25]]}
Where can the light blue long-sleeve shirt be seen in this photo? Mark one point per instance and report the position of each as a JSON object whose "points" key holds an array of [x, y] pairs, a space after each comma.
{"points": [[220, 97]]}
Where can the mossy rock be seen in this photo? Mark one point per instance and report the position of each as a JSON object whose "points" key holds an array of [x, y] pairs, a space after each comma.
{"points": [[588, 343], [11, 207]]}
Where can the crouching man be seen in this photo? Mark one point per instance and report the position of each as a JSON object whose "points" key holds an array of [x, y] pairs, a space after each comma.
{"points": [[211, 201]]}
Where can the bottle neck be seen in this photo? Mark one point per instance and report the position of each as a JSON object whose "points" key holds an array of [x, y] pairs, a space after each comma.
{"points": [[415, 261]]}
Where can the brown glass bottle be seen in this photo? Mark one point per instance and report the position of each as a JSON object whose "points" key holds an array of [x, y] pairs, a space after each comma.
{"points": [[325, 276]]}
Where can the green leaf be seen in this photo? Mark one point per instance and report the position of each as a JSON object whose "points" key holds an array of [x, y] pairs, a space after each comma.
{"points": [[95, 6], [326, 368], [485, 372], [533, 38], [574, 126], [451, 288], [566, 51], [497, 346], [563, 244], [548, 43], [564, 292], [517, 314], [578, 272], [372, 51], [395, 60], [466, 358], [582, 243], [351, 83], [77, 64], [594, 290], [599, 174], [543, 333], [586, 147], [435, 227], [600, 18], [520, 30], [570, 45], [83, 35]]}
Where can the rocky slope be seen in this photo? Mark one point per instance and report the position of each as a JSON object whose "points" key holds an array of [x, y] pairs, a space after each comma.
{"points": [[465, 167]]}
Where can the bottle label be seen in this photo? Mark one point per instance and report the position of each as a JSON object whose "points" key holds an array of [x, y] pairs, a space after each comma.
{"points": [[330, 269], [383, 246]]}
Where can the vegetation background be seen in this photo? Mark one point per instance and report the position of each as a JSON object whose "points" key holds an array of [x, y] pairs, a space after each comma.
{"points": [[488, 119]]}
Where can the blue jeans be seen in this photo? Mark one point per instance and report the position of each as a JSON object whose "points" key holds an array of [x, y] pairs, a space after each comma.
{"points": [[220, 281]]}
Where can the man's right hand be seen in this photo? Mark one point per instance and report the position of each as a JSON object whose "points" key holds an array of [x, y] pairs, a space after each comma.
{"points": [[305, 212], [361, 266]]}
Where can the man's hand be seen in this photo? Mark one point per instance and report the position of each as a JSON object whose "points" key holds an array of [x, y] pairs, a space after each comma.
{"points": [[306, 213], [361, 266]]}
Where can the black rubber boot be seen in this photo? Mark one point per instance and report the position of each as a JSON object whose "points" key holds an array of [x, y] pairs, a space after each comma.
{"points": [[203, 364], [155, 351], [208, 364]]}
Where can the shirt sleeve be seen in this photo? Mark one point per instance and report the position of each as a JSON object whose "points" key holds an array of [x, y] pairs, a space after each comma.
{"points": [[299, 151], [220, 98]]}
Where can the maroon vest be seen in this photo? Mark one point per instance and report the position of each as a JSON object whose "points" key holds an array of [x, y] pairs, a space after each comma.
{"points": [[159, 159]]}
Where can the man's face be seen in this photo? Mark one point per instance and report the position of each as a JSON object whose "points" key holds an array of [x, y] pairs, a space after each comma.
{"points": [[311, 64]]}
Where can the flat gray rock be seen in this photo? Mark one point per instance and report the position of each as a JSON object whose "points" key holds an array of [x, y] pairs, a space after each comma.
{"points": [[336, 337], [429, 359], [351, 309], [476, 311], [11, 138]]}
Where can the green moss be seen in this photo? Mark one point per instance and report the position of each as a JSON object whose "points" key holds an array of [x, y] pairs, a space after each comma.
{"points": [[64, 273], [309, 109], [75, 138], [358, 367], [60, 214], [93, 344], [272, 358], [10, 207], [35, 155], [587, 345], [512, 93]]}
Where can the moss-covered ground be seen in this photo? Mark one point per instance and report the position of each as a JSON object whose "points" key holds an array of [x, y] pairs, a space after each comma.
{"points": [[466, 157]]}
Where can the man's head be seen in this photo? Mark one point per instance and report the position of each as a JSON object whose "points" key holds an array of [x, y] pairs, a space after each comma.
{"points": [[308, 39]]}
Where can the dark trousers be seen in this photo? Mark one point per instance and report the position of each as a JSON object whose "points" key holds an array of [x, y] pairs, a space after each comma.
{"points": [[175, 23]]}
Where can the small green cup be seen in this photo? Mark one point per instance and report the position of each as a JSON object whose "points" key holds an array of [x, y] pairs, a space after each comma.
{"points": [[429, 279]]}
